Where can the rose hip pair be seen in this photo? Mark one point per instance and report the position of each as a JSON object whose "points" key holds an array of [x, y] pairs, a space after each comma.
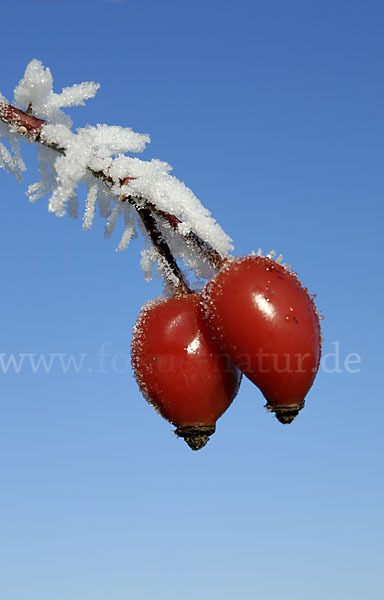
{"points": [[254, 317]]}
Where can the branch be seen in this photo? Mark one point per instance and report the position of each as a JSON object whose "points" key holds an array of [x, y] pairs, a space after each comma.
{"points": [[25, 122], [162, 248], [31, 127]]}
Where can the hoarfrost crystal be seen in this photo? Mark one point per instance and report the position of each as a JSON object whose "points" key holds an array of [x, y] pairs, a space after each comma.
{"points": [[67, 158]]}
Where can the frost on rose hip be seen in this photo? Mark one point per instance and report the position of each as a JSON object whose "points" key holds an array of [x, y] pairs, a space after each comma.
{"points": [[180, 369], [263, 317]]}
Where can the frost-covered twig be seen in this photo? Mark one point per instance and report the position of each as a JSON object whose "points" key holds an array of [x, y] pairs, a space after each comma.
{"points": [[30, 126], [176, 223]]}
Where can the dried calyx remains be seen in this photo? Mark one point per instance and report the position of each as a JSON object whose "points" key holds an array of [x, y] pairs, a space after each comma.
{"points": [[191, 347]]}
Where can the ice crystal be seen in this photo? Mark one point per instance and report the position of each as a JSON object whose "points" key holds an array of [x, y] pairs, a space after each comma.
{"points": [[68, 158], [35, 88]]}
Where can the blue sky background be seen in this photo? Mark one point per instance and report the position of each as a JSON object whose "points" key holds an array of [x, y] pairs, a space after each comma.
{"points": [[272, 113]]}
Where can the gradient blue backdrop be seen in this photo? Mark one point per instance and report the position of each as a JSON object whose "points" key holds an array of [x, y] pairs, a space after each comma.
{"points": [[272, 112]]}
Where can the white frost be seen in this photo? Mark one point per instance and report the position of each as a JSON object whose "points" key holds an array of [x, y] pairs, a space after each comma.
{"points": [[10, 159], [36, 88], [103, 150], [90, 205]]}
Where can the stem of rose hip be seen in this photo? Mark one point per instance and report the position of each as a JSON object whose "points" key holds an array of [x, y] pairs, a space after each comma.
{"points": [[31, 126], [209, 253], [161, 245]]}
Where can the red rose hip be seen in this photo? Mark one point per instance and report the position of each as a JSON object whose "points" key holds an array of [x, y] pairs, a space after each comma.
{"points": [[180, 369], [267, 323]]}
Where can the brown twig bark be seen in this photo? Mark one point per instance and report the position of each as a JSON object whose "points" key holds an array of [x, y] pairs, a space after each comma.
{"points": [[26, 123]]}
